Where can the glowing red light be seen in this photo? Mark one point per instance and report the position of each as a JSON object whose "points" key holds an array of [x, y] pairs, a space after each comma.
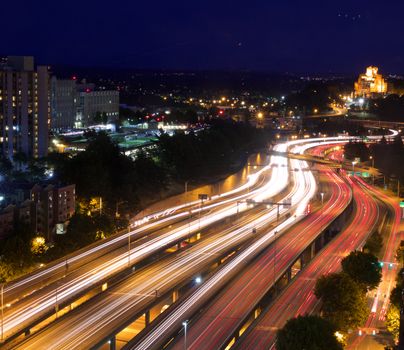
{"points": [[221, 112], [88, 90], [74, 77]]}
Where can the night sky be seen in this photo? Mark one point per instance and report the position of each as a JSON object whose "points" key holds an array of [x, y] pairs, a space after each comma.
{"points": [[276, 36]]}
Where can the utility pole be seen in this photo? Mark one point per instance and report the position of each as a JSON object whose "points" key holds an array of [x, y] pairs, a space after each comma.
{"points": [[2, 313], [202, 197], [185, 324], [56, 301], [129, 246], [275, 257]]}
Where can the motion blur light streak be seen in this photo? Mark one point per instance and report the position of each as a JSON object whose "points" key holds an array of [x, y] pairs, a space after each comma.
{"points": [[298, 298]]}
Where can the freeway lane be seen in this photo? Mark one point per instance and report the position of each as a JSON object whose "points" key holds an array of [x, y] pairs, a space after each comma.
{"points": [[298, 298], [85, 326], [225, 315], [23, 314], [29, 309], [167, 325], [27, 284]]}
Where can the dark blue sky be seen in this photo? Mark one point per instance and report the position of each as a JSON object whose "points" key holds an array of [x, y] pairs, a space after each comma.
{"points": [[277, 36]]}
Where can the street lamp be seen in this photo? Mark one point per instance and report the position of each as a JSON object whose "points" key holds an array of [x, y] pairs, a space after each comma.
{"points": [[353, 168], [129, 232], [185, 324], [2, 313], [373, 166], [373, 161]]}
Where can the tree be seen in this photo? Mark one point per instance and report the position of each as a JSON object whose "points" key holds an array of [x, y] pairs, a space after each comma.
{"points": [[393, 320], [363, 268], [400, 254], [82, 230], [101, 171], [395, 295], [354, 150], [374, 244], [307, 333], [344, 301], [100, 118]]}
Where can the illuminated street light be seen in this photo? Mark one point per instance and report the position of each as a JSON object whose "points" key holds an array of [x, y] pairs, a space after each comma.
{"points": [[353, 168], [260, 115], [322, 198], [198, 280], [185, 324]]}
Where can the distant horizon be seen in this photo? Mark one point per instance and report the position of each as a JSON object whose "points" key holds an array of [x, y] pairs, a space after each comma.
{"points": [[347, 74]]}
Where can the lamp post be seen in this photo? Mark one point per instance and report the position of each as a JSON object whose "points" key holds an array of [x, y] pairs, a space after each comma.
{"points": [[2, 313], [185, 324], [373, 166], [353, 169], [56, 300], [129, 246], [275, 257]]}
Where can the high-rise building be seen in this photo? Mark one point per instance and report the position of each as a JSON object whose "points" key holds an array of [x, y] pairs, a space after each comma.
{"points": [[64, 99], [24, 107], [81, 105], [371, 83], [97, 106]]}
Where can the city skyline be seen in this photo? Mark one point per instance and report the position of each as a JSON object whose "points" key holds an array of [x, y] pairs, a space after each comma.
{"points": [[272, 36]]}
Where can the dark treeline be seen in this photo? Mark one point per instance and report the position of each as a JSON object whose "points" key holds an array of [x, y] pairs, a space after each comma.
{"points": [[388, 156], [390, 108], [313, 96], [215, 151], [333, 126]]}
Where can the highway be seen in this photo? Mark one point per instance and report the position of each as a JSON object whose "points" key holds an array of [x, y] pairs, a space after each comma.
{"points": [[225, 315], [298, 298], [98, 263], [24, 312], [161, 331], [278, 181]]}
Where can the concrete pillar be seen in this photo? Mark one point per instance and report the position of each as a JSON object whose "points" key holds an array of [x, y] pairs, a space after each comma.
{"points": [[322, 239], [289, 274], [302, 263], [112, 343], [147, 318]]}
